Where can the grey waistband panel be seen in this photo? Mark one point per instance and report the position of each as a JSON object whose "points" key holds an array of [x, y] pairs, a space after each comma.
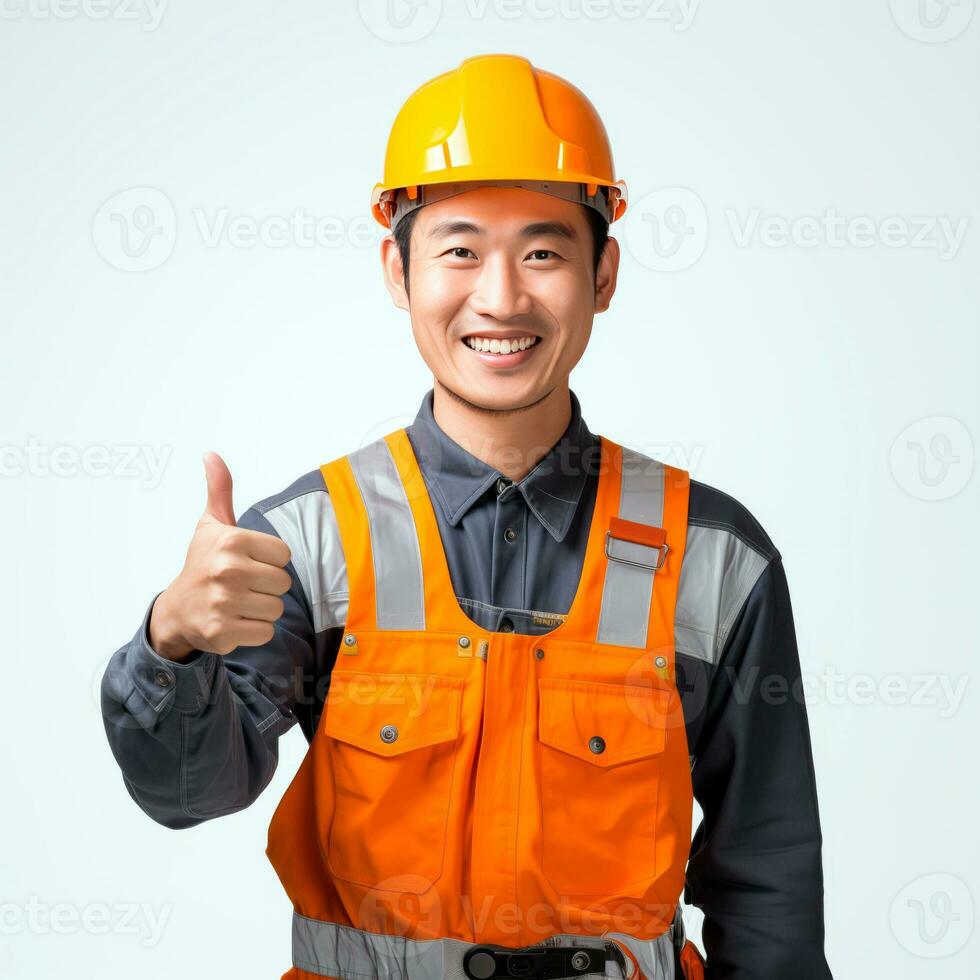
{"points": [[655, 956], [394, 539], [332, 950], [627, 590]]}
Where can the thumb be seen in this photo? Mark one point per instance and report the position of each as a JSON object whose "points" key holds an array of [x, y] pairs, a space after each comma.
{"points": [[219, 489]]}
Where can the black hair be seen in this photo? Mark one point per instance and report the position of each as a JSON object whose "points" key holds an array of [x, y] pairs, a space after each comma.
{"points": [[598, 226]]}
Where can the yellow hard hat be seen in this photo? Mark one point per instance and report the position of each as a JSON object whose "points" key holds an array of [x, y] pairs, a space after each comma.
{"points": [[496, 119]]}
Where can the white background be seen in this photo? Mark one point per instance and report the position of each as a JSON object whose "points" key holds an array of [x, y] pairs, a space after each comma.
{"points": [[786, 371]]}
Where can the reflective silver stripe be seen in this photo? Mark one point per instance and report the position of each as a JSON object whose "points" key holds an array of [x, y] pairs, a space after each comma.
{"points": [[627, 590], [719, 572], [308, 524], [333, 950], [394, 540]]}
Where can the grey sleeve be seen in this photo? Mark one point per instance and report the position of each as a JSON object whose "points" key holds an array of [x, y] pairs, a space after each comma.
{"points": [[199, 739], [755, 868]]}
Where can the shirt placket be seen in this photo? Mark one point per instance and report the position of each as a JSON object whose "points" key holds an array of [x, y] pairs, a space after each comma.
{"points": [[509, 559]]}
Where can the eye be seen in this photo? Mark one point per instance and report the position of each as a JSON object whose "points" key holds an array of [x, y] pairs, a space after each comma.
{"points": [[545, 252], [459, 248]]}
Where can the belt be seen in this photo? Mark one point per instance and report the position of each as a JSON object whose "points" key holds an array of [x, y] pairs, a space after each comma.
{"points": [[330, 949], [550, 960]]}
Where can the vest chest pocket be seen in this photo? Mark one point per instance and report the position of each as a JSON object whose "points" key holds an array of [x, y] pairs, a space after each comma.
{"points": [[601, 753], [393, 755]]}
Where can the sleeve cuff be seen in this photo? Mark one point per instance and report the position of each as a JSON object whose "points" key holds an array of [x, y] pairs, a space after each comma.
{"points": [[164, 683]]}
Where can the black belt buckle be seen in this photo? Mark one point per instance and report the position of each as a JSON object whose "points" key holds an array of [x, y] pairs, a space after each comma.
{"points": [[537, 962]]}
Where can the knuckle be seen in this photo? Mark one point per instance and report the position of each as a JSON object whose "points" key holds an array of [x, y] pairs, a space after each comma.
{"points": [[225, 569], [230, 541], [222, 602], [213, 631]]}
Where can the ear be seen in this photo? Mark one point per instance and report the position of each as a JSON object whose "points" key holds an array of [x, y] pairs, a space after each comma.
{"points": [[394, 274], [605, 278]]}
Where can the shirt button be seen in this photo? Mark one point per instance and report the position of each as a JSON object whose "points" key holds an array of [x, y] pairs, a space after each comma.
{"points": [[162, 678], [510, 534]]}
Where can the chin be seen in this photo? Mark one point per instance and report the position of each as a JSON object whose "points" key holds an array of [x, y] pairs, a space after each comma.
{"points": [[497, 394]]}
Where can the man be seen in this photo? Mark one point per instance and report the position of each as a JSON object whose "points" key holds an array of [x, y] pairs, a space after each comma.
{"points": [[539, 646]]}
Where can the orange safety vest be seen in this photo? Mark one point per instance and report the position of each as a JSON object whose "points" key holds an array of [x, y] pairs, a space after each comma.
{"points": [[472, 787]]}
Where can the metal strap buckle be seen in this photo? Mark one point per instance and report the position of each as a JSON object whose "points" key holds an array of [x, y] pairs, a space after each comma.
{"points": [[540, 962], [655, 566]]}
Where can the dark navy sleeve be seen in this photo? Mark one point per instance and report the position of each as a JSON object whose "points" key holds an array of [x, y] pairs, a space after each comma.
{"points": [[199, 739], [755, 867]]}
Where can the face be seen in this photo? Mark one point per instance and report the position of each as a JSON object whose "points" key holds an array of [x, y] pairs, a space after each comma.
{"points": [[502, 292]]}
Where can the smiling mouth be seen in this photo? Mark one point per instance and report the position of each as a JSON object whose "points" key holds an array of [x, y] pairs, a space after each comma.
{"points": [[502, 348]]}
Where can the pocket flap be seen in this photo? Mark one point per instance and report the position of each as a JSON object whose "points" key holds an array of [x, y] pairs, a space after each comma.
{"points": [[390, 714], [603, 724]]}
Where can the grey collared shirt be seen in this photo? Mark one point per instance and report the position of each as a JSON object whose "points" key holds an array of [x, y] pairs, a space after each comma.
{"points": [[199, 739], [501, 536]]}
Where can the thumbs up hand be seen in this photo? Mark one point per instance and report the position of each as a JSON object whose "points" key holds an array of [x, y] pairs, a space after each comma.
{"points": [[227, 593]]}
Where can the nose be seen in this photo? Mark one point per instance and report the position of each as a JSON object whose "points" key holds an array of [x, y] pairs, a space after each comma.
{"points": [[500, 292]]}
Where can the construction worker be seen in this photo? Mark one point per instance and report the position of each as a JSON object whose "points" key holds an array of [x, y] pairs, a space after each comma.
{"points": [[518, 650]]}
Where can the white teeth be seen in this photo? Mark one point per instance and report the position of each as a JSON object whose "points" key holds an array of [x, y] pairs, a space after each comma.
{"points": [[494, 346]]}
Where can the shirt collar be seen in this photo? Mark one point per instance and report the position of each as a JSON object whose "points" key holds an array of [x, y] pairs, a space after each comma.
{"points": [[457, 479]]}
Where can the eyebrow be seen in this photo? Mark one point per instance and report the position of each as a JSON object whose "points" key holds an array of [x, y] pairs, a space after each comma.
{"points": [[539, 229]]}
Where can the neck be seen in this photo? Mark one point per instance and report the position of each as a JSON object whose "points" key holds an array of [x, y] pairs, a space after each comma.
{"points": [[512, 440]]}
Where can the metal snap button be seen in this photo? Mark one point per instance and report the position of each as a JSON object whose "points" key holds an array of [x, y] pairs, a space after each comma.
{"points": [[510, 534], [597, 744], [464, 641], [661, 661], [539, 654], [350, 639], [482, 966], [389, 733], [502, 485], [580, 960], [162, 678], [506, 626]]}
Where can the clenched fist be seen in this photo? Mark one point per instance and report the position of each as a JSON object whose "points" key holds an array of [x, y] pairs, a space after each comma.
{"points": [[227, 594]]}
